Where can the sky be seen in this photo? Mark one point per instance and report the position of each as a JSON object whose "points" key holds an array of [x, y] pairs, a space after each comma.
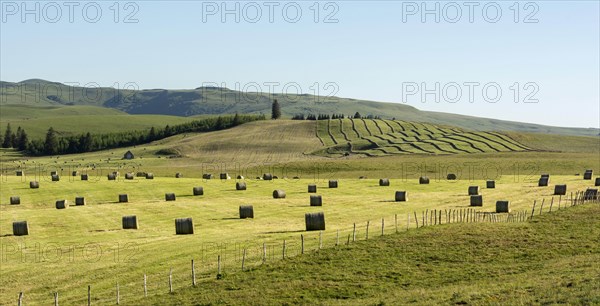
{"points": [[531, 61]]}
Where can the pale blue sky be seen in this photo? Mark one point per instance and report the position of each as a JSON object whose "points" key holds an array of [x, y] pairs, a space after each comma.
{"points": [[369, 53]]}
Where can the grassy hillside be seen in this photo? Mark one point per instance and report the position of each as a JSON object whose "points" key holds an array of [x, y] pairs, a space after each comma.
{"points": [[552, 260], [75, 120], [386, 137], [212, 100]]}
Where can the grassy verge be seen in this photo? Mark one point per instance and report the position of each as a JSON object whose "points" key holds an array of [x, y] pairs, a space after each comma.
{"points": [[551, 260]]}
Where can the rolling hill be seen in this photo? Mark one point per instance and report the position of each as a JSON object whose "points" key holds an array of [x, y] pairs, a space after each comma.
{"points": [[215, 100]]}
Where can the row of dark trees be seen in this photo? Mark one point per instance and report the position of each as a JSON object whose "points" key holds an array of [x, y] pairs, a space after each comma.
{"points": [[357, 115], [18, 140], [54, 144]]}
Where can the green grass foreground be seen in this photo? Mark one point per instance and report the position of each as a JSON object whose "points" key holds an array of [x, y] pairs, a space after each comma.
{"points": [[554, 259]]}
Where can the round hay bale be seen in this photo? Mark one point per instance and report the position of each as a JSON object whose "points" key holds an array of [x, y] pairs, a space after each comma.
{"points": [[590, 194], [560, 189], [278, 194], [84, 177], [362, 177], [149, 176], [240, 177], [333, 184], [502, 206], [296, 178], [246, 211], [34, 184], [315, 221], [490, 184], [401, 196], [74, 173], [316, 200], [597, 182], [140, 174], [275, 177], [240, 186], [545, 175], [129, 176], [224, 176], [207, 176], [476, 200], [55, 178], [130, 222], [15, 200], [198, 191], [423, 180], [473, 190], [259, 178], [19, 173], [169, 197], [384, 182], [79, 201], [178, 175], [587, 175], [184, 226], [123, 198], [451, 176], [543, 182], [20, 228], [62, 204], [312, 188], [267, 177], [111, 177]]}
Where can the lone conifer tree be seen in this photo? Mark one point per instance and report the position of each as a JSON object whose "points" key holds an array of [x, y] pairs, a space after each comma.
{"points": [[275, 110]]}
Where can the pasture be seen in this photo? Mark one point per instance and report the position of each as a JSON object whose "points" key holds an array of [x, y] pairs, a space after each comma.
{"points": [[68, 249]]}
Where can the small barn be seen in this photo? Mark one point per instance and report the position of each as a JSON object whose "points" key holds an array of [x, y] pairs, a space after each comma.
{"points": [[128, 155]]}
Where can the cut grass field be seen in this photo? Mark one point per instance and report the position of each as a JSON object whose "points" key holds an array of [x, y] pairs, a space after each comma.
{"points": [[376, 137], [72, 248], [552, 260]]}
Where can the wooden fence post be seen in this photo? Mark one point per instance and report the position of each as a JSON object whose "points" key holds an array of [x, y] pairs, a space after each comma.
{"points": [[264, 259], [416, 219], [219, 267], [382, 226], [533, 209], [337, 238], [542, 206], [354, 233], [320, 240], [243, 259], [194, 274], [301, 243], [551, 203], [283, 252], [396, 222], [55, 298], [407, 221], [89, 295], [171, 280], [118, 295], [145, 288], [20, 300], [367, 237]]}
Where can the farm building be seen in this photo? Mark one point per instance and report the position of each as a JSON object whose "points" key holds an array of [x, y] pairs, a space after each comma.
{"points": [[128, 155]]}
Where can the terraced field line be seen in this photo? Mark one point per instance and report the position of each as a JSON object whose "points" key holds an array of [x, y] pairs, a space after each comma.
{"points": [[329, 131], [348, 123], [390, 126], [467, 142], [342, 131], [317, 134], [453, 145], [509, 140], [400, 125], [366, 127], [435, 145], [491, 140], [378, 127], [355, 130], [478, 141]]}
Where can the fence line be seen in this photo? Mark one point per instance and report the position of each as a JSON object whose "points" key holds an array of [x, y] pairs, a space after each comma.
{"points": [[253, 256]]}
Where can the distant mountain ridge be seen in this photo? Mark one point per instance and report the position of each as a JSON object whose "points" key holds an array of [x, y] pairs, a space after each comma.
{"points": [[217, 100]]}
